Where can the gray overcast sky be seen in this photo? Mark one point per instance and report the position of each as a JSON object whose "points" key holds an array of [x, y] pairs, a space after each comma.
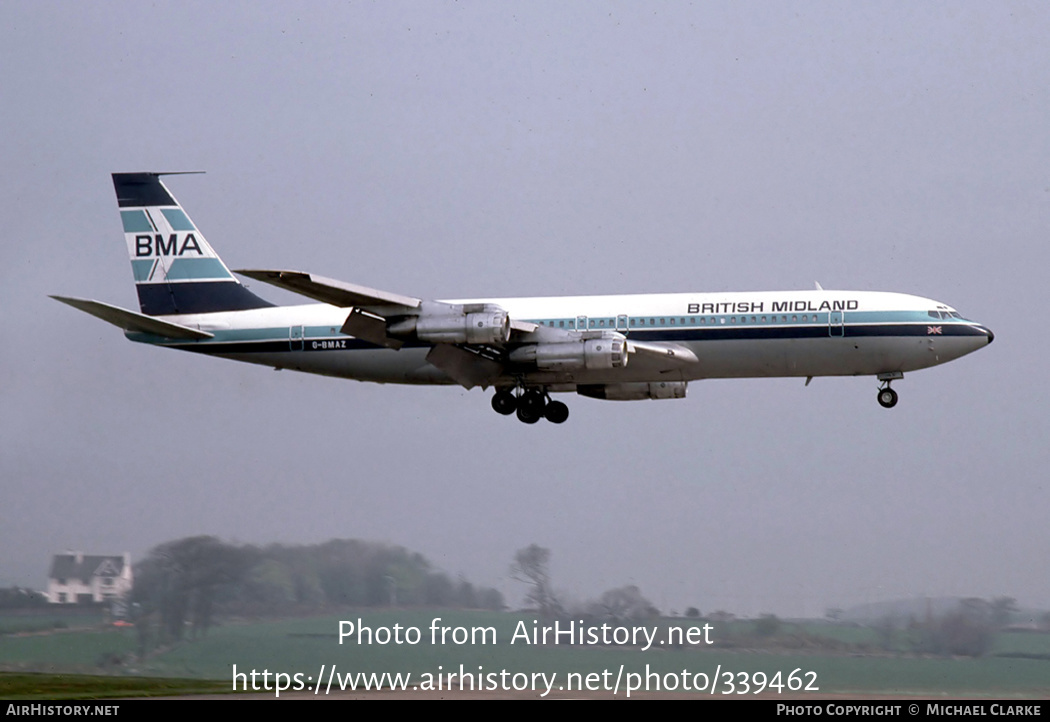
{"points": [[542, 148]]}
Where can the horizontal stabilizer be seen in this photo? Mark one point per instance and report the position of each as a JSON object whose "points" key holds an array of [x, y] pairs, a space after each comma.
{"points": [[327, 290], [131, 321]]}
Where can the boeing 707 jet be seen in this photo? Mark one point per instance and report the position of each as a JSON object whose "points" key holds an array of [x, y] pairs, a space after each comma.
{"points": [[621, 347]]}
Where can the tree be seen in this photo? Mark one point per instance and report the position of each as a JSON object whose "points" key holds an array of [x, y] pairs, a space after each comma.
{"points": [[181, 580], [1003, 610], [767, 625], [959, 634], [530, 567], [490, 598], [625, 604], [19, 598]]}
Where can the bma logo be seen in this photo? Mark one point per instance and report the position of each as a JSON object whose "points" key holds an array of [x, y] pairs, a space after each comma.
{"points": [[149, 245]]}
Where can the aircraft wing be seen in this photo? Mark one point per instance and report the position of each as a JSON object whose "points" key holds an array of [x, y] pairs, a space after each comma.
{"points": [[381, 317], [327, 290]]}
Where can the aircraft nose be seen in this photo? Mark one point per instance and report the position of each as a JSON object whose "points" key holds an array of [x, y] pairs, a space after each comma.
{"points": [[988, 332]]}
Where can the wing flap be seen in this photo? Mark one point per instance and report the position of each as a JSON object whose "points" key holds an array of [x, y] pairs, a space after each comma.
{"points": [[465, 368], [132, 321], [370, 327]]}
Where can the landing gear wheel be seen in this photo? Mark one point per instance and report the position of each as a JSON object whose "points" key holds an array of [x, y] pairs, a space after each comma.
{"points": [[535, 401], [887, 398], [526, 416], [556, 412], [504, 402]]}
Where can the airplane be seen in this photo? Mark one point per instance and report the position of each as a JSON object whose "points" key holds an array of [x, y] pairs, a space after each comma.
{"points": [[618, 347]]}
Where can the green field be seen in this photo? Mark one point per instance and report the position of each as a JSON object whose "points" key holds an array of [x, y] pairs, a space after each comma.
{"points": [[48, 619], [304, 645], [58, 687]]}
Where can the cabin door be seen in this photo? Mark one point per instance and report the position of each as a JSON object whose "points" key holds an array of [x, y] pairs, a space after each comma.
{"points": [[837, 323], [296, 338]]}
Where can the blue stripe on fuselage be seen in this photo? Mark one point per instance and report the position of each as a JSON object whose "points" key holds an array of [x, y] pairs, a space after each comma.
{"points": [[316, 338]]}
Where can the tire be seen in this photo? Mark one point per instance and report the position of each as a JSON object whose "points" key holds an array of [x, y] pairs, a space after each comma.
{"points": [[887, 398], [505, 403], [526, 416], [556, 412], [534, 401]]}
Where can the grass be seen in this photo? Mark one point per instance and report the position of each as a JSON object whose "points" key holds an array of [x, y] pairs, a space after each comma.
{"points": [[62, 686], [303, 645], [47, 619]]}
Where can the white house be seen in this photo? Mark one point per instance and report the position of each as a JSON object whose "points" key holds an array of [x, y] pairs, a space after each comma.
{"points": [[78, 578]]}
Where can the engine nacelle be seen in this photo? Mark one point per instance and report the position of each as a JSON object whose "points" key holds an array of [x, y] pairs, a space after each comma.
{"points": [[593, 354], [635, 391], [480, 326]]}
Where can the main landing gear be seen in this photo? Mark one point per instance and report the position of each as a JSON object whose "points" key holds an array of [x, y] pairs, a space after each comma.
{"points": [[887, 396], [530, 405]]}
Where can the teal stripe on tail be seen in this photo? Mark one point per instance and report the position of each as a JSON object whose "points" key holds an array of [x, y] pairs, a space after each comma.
{"points": [[176, 270]]}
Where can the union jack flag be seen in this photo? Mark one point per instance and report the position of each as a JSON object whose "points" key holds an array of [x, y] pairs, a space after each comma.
{"points": [[933, 329]]}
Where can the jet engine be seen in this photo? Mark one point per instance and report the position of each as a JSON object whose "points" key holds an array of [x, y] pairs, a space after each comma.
{"points": [[593, 354], [445, 323]]}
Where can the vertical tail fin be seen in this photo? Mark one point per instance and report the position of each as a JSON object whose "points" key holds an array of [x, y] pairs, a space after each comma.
{"points": [[176, 271]]}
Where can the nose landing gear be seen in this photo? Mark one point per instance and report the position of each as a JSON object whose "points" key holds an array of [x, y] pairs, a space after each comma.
{"points": [[887, 396]]}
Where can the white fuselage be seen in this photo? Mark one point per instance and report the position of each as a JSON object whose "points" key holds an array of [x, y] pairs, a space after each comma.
{"points": [[733, 335]]}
